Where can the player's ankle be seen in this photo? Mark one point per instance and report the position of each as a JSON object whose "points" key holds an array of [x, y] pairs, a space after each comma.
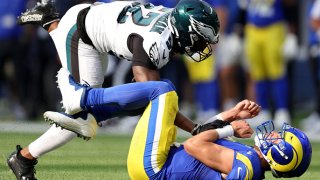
{"points": [[25, 155], [52, 26]]}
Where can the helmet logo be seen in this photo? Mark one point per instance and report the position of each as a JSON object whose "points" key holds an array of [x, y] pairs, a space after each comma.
{"points": [[206, 31]]}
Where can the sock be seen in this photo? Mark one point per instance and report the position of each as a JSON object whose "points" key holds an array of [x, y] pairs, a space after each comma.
{"points": [[25, 160], [207, 95], [262, 93], [52, 139], [280, 93]]}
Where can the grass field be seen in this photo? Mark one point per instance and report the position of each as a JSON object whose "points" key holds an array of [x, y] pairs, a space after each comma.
{"points": [[99, 159]]}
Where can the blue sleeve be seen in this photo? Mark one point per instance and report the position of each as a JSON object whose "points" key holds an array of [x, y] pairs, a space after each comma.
{"points": [[238, 172], [241, 169]]}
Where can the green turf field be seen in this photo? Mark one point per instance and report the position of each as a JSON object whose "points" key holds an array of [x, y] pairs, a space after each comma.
{"points": [[99, 159]]}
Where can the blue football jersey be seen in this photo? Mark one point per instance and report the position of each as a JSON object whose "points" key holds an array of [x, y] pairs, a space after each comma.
{"points": [[180, 165], [264, 13]]}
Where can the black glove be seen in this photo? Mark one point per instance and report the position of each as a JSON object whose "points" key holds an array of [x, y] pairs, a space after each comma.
{"points": [[198, 128]]}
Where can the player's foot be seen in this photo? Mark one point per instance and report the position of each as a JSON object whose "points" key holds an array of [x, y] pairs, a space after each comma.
{"points": [[83, 123], [72, 92], [311, 126], [262, 117], [22, 168], [281, 116], [42, 14]]}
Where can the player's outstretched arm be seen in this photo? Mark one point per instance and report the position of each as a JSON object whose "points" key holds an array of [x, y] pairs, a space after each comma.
{"points": [[245, 109]]}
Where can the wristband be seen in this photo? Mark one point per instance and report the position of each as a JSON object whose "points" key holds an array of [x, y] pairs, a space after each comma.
{"points": [[195, 130], [224, 132]]}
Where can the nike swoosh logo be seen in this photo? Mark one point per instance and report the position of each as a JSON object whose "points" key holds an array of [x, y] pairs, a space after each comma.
{"points": [[239, 171]]}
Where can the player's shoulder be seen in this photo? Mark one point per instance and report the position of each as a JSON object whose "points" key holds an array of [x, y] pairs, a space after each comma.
{"points": [[246, 165], [242, 167], [158, 42]]}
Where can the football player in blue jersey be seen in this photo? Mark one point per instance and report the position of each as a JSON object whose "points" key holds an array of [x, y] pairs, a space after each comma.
{"points": [[145, 34], [265, 35], [153, 153]]}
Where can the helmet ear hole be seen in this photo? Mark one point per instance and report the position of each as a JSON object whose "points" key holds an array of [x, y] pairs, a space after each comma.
{"points": [[189, 9]]}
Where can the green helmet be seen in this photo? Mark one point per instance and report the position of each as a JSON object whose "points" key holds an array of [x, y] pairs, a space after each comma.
{"points": [[195, 26]]}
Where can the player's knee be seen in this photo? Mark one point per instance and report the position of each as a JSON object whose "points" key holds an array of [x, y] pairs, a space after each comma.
{"points": [[170, 85], [162, 87]]}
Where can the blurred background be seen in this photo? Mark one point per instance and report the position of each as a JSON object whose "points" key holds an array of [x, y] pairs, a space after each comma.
{"points": [[268, 52]]}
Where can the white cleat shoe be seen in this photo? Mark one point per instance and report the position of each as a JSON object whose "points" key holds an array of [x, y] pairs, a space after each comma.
{"points": [[262, 117], [281, 116], [311, 126], [71, 91], [84, 126]]}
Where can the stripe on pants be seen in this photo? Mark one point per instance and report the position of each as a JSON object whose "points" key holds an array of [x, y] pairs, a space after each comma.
{"points": [[72, 44]]}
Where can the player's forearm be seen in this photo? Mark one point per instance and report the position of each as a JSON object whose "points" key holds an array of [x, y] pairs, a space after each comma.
{"points": [[210, 136], [202, 148], [229, 115], [243, 110], [183, 122], [142, 74]]}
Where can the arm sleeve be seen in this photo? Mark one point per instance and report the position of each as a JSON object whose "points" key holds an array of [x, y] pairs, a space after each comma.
{"points": [[140, 57]]}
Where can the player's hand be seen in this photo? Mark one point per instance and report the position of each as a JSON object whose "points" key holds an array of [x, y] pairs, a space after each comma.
{"points": [[246, 109], [241, 129]]}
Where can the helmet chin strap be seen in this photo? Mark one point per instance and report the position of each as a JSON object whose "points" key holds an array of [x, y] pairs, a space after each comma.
{"points": [[275, 174]]}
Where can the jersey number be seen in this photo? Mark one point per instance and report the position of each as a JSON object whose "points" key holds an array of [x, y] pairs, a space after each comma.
{"points": [[136, 14]]}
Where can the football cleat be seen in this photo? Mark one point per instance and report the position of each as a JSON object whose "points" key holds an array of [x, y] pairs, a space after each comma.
{"points": [[83, 123], [71, 91], [281, 116], [42, 14], [22, 169]]}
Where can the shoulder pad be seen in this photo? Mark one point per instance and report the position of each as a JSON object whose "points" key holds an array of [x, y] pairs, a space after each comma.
{"points": [[158, 47], [242, 168]]}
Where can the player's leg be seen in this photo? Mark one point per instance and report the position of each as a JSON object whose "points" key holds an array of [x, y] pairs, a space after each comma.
{"points": [[276, 73], [55, 137], [228, 56], [103, 103], [253, 50], [205, 86], [21, 161], [153, 136], [85, 62]]}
